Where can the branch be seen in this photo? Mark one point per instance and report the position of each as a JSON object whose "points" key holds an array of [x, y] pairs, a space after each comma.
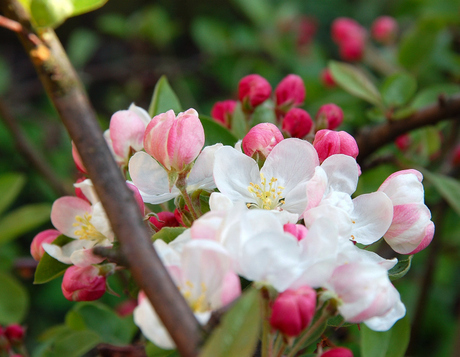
{"points": [[373, 138], [67, 94]]}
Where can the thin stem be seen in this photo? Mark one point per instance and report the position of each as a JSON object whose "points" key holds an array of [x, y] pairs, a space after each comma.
{"points": [[181, 184], [267, 345], [278, 346]]}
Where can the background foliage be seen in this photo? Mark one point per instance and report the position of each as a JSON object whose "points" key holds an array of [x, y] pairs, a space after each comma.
{"points": [[204, 48]]}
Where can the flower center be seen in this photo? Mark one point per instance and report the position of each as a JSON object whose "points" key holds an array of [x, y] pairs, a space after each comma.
{"points": [[87, 229], [269, 194], [197, 304]]}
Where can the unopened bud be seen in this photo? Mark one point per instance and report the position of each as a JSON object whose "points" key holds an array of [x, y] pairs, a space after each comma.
{"points": [[344, 28], [352, 49], [403, 142], [329, 142], [293, 310], [36, 248], [15, 333], [261, 140], [290, 92], [253, 90], [83, 283], [174, 142], [329, 116], [384, 29], [297, 230], [222, 112], [297, 123], [164, 219], [338, 352]]}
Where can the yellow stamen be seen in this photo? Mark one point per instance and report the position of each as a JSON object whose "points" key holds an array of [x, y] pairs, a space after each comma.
{"points": [[268, 194], [87, 229]]}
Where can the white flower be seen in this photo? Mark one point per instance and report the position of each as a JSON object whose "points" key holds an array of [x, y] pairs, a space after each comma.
{"points": [[279, 185]]}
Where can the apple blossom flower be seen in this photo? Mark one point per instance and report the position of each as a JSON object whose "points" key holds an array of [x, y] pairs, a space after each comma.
{"points": [[261, 140], [174, 141], [365, 294], [222, 112], [85, 222], [411, 229], [253, 90], [329, 142], [126, 132], [297, 230], [290, 92], [293, 310], [202, 273], [83, 283], [297, 123], [47, 236], [329, 116], [384, 29], [152, 180], [279, 185]]}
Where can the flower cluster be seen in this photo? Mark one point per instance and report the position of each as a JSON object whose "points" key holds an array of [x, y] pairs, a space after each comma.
{"points": [[276, 211], [12, 340]]}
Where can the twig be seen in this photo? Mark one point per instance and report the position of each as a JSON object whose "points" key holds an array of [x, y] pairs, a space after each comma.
{"points": [[66, 93], [31, 154], [373, 138]]}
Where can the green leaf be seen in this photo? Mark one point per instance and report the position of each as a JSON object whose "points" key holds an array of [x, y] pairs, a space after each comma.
{"points": [[398, 89], [238, 333], [355, 82], [211, 35], [215, 133], [391, 343], [164, 98], [49, 268], [84, 6], [50, 13], [431, 94], [14, 300], [10, 186], [259, 11], [448, 188], [168, 234], [239, 127], [74, 344], [23, 220], [100, 319], [400, 269]]}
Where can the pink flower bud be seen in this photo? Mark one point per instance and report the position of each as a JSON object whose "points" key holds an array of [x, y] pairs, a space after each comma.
{"points": [[329, 116], [174, 142], [126, 308], [36, 248], [297, 230], [338, 352], [165, 219], [306, 31], [14, 333], [352, 49], [262, 138], [326, 78], [83, 283], [293, 310], [222, 112], [384, 29], [456, 156], [403, 142], [329, 142], [77, 159], [344, 28], [297, 123], [290, 91], [253, 90]]}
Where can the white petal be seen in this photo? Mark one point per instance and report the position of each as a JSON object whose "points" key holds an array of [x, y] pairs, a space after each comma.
{"points": [[201, 175], [342, 173]]}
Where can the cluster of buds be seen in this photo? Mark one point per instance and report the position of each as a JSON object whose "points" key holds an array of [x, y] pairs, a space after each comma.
{"points": [[12, 340], [289, 95], [351, 37]]}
